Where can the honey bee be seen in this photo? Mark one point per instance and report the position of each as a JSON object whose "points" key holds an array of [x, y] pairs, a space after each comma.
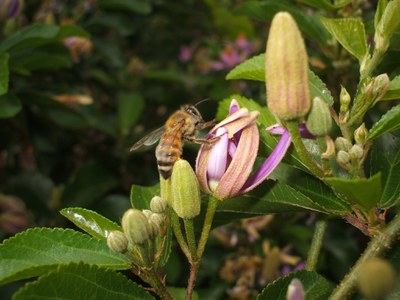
{"points": [[183, 124]]}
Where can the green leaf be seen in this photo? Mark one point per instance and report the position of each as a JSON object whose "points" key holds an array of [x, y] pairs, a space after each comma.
{"points": [[137, 6], [385, 158], [315, 286], [10, 105], [4, 73], [91, 182], [315, 189], [71, 30], [325, 4], [30, 37], [180, 293], [91, 222], [120, 22], [389, 122], [364, 192], [350, 33], [393, 92], [82, 281], [380, 8], [254, 69], [130, 107], [142, 195], [310, 25], [40, 250], [51, 58]]}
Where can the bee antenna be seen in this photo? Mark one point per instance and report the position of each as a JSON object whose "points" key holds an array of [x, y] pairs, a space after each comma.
{"points": [[201, 101]]}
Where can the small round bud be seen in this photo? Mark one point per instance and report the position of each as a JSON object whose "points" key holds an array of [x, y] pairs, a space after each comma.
{"points": [[360, 134], [345, 100], [342, 143], [185, 190], [147, 213], [158, 204], [158, 219], [319, 120], [117, 241], [135, 226], [154, 229], [343, 157], [295, 290], [376, 278], [356, 152]]}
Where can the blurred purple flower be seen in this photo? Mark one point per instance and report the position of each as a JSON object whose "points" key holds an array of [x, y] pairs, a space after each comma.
{"points": [[185, 54]]}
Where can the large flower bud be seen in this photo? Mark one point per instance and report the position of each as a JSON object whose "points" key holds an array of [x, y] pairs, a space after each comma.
{"points": [[288, 92], [136, 226], [10, 8], [158, 204], [185, 190]]}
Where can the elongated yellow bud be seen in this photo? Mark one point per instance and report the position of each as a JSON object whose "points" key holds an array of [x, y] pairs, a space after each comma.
{"points": [[288, 92]]}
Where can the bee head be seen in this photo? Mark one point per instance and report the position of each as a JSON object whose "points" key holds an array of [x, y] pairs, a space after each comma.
{"points": [[194, 112]]}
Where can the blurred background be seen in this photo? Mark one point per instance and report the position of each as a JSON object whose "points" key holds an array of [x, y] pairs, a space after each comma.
{"points": [[77, 101]]}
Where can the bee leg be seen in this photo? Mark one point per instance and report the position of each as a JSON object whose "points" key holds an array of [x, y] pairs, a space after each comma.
{"points": [[203, 141], [204, 125]]}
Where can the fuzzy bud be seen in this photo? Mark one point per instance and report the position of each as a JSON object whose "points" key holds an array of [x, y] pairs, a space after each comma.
{"points": [[185, 190], [376, 278], [158, 204], [10, 9], [147, 213], [387, 24], [381, 84], [154, 229], [135, 226], [343, 157], [360, 134], [356, 152], [117, 241], [319, 120], [295, 290], [342, 143], [157, 219], [345, 100], [288, 92]]}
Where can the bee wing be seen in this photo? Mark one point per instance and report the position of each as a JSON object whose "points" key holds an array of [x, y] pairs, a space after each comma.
{"points": [[149, 139]]}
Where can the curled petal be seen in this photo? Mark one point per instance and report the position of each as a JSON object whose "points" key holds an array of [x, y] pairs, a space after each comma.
{"points": [[234, 107], [217, 163], [241, 164], [270, 163], [279, 130]]}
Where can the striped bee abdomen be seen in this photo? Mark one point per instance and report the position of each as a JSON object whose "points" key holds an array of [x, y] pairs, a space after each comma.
{"points": [[168, 152]]}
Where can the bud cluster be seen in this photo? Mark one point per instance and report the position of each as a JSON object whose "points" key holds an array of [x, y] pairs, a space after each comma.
{"points": [[140, 228], [350, 156]]}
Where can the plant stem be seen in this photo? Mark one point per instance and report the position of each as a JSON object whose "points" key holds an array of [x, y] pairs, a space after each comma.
{"points": [[194, 266], [191, 239], [212, 206], [376, 247], [315, 248], [371, 64], [178, 234], [305, 156], [154, 280]]}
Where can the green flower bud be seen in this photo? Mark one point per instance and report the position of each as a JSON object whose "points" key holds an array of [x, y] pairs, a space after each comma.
{"points": [[380, 86], [136, 226], [154, 229], [356, 152], [147, 213], [319, 120], [360, 134], [185, 190], [345, 100], [295, 290], [342, 143], [117, 241], [288, 92], [158, 219], [376, 278], [387, 24], [158, 204], [343, 157]]}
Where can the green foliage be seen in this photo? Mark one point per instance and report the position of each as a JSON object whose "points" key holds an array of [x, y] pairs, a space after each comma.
{"points": [[364, 192], [40, 250], [88, 281], [315, 286], [91, 222], [10, 105], [388, 123], [350, 33]]}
